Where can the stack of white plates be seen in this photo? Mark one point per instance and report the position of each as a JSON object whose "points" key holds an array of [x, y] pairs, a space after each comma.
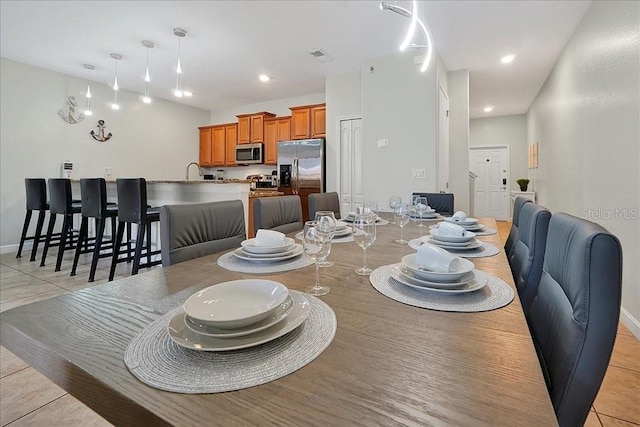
{"points": [[342, 229], [459, 243], [252, 252], [352, 216], [430, 213], [465, 280], [237, 314], [470, 224]]}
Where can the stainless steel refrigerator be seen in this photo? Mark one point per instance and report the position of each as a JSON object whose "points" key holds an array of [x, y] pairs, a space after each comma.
{"points": [[301, 169]]}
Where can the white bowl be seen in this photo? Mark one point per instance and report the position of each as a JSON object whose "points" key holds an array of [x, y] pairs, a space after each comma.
{"points": [[249, 245], [470, 236], [409, 261], [236, 304]]}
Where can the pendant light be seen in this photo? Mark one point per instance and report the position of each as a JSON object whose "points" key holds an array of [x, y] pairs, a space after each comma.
{"points": [[180, 33], [87, 110], [148, 45], [117, 57]]}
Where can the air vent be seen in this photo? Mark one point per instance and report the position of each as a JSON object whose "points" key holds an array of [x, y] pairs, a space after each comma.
{"points": [[320, 55]]}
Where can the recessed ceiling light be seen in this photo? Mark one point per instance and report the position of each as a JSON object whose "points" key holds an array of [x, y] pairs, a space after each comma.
{"points": [[488, 108], [507, 59], [187, 93], [264, 78]]}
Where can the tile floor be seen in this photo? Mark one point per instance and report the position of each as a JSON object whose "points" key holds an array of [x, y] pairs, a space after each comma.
{"points": [[29, 399]]}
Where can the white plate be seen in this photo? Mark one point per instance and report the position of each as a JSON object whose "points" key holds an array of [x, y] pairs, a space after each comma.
{"points": [[249, 245], [296, 251], [473, 244], [283, 311], [401, 271], [266, 256], [452, 239], [344, 232], [479, 282], [468, 221], [341, 224], [350, 219], [424, 216], [185, 337], [465, 267], [237, 303]]}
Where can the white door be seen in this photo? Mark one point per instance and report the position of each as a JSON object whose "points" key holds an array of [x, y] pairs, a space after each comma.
{"points": [[350, 165], [492, 167], [443, 142]]}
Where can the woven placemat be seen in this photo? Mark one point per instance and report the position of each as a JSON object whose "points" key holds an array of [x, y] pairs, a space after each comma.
{"points": [[486, 250], [231, 262], [494, 295], [345, 239], [157, 361]]}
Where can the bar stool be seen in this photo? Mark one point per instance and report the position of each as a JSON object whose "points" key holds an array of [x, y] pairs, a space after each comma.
{"points": [[93, 193], [133, 209], [61, 203], [36, 189]]}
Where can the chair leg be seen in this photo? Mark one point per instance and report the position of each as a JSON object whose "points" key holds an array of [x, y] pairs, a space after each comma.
{"points": [[66, 226], [82, 237], [148, 243], [128, 242], [47, 240], [25, 228], [116, 250], [138, 254], [37, 238], [100, 224]]}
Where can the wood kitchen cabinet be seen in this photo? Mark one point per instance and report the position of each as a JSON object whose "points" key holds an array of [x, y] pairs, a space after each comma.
{"points": [[217, 145], [251, 127], [218, 148], [205, 147], [231, 139], [308, 121], [275, 129]]}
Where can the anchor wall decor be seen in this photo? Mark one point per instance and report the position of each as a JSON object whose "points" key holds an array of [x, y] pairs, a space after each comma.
{"points": [[69, 116], [100, 136]]}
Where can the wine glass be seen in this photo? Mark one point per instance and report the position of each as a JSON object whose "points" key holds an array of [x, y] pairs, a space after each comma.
{"points": [[421, 208], [316, 241], [393, 202], [364, 234], [329, 218], [401, 215]]}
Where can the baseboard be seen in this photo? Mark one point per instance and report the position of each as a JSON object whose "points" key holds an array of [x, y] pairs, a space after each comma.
{"points": [[630, 322], [7, 249]]}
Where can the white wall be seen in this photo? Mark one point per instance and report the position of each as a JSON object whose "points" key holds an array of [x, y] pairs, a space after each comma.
{"points": [[280, 107], [398, 104], [504, 130], [458, 87], [586, 120], [154, 141]]}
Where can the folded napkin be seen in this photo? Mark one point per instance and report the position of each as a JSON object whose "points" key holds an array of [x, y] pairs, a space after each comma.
{"points": [[363, 211], [459, 216], [269, 238], [452, 230], [436, 259]]}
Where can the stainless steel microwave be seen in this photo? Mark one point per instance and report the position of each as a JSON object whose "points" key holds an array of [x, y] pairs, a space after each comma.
{"points": [[248, 153]]}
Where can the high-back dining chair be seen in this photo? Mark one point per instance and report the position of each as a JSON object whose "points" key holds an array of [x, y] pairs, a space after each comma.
{"points": [[324, 202], [528, 250], [36, 195], [194, 230], [513, 233], [574, 315], [441, 202], [281, 213]]}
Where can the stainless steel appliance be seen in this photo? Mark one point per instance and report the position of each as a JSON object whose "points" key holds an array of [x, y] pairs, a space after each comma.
{"points": [[248, 153], [301, 168]]}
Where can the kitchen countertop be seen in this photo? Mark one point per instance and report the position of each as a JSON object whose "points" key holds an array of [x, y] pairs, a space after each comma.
{"points": [[184, 181], [265, 193]]}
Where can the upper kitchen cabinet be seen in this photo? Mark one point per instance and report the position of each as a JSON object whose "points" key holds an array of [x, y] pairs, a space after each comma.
{"points": [[251, 127], [231, 139], [205, 147], [275, 129], [217, 145], [308, 121]]}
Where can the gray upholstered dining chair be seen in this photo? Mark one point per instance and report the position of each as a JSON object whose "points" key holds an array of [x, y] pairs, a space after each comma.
{"points": [[194, 230], [441, 202], [574, 315], [281, 213], [324, 202], [513, 233], [527, 254]]}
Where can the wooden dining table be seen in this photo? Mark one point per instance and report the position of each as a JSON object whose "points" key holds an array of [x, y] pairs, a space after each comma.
{"points": [[389, 363]]}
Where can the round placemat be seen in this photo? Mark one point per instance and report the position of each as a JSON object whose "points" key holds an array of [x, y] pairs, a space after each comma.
{"points": [[345, 239], [494, 295], [487, 231], [157, 361], [486, 250], [233, 263]]}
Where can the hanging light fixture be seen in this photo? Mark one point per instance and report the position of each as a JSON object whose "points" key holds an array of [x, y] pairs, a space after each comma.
{"points": [[149, 45], [117, 57], [180, 33], [413, 15], [87, 110]]}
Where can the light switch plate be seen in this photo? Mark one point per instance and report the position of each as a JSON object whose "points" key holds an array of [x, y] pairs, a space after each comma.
{"points": [[107, 173], [418, 173], [383, 143]]}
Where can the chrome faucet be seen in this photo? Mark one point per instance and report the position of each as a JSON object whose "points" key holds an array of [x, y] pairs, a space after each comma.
{"points": [[199, 169]]}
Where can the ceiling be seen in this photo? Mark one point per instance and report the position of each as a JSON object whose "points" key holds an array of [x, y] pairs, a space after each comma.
{"points": [[229, 43]]}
